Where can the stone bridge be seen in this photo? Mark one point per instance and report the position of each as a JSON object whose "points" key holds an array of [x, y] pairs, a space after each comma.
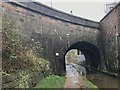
{"points": [[58, 32]]}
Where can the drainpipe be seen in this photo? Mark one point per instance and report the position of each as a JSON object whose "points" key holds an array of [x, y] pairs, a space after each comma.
{"points": [[118, 51]]}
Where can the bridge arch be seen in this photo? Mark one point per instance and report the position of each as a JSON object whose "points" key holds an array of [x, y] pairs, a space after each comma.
{"points": [[90, 51]]}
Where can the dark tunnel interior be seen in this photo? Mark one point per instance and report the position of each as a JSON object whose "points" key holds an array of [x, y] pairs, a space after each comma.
{"points": [[90, 51]]}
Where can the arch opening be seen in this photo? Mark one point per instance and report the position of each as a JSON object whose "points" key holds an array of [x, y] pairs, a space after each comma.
{"points": [[89, 51]]}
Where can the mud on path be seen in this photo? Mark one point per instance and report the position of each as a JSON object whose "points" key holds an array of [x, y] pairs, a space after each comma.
{"points": [[73, 79]]}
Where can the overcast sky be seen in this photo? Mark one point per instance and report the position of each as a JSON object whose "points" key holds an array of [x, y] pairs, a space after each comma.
{"points": [[93, 10]]}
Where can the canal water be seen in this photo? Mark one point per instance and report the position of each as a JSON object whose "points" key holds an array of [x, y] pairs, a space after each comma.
{"points": [[101, 80]]}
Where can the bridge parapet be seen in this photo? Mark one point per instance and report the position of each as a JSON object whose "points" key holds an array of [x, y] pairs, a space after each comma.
{"points": [[48, 11]]}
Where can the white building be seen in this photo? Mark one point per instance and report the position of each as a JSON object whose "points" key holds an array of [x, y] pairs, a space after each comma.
{"points": [[110, 6], [80, 58]]}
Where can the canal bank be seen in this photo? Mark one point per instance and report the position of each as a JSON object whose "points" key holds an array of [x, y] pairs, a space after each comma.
{"points": [[81, 78], [76, 80], [100, 79], [103, 80]]}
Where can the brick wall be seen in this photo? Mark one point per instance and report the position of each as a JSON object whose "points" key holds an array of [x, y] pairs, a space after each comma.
{"points": [[109, 28], [52, 35]]}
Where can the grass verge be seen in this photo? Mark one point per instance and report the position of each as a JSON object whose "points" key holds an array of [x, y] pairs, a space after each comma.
{"points": [[52, 81]]}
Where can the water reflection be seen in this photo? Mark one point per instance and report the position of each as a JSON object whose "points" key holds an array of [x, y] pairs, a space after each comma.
{"points": [[74, 64], [102, 80], [71, 71], [99, 79], [80, 69]]}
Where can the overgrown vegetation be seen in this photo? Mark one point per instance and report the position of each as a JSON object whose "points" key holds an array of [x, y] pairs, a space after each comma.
{"points": [[71, 56], [19, 56], [52, 81]]}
